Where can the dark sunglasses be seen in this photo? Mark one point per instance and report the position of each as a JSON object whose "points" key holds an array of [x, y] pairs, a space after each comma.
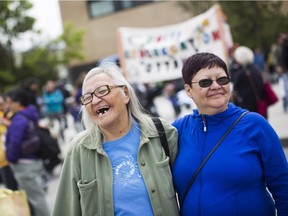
{"points": [[205, 83]]}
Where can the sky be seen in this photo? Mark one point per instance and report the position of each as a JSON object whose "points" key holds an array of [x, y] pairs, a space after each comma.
{"points": [[48, 20]]}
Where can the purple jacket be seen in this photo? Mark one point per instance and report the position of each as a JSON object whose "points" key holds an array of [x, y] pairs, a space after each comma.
{"points": [[16, 133]]}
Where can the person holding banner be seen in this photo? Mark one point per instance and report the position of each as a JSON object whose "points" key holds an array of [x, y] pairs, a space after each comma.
{"points": [[116, 166], [240, 165]]}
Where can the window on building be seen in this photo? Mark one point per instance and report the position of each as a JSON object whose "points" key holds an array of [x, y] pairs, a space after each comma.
{"points": [[101, 8]]}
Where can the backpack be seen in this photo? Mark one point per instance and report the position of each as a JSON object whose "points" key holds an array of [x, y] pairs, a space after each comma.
{"points": [[31, 143], [49, 150], [49, 145]]}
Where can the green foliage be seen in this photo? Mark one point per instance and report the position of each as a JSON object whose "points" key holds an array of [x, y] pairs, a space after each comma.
{"points": [[7, 77], [13, 20], [73, 43], [252, 23], [42, 61], [257, 24]]}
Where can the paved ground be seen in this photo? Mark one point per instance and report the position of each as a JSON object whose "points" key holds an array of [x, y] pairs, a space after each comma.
{"points": [[277, 118], [53, 183]]}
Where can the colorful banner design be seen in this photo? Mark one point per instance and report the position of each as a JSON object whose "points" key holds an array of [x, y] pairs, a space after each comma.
{"points": [[157, 54]]}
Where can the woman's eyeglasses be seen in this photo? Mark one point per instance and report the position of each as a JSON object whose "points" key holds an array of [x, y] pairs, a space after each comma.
{"points": [[99, 92], [205, 83]]}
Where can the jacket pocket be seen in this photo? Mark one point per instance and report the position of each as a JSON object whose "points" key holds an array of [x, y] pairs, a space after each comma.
{"points": [[88, 197], [164, 179], [165, 185]]}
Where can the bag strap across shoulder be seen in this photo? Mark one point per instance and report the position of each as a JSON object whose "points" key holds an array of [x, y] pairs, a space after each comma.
{"points": [[209, 155], [162, 135]]}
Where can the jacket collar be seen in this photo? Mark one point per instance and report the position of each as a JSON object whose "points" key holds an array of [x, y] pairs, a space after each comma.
{"points": [[89, 143]]}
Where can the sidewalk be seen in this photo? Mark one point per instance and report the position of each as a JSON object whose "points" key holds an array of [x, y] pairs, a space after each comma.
{"points": [[278, 118]]}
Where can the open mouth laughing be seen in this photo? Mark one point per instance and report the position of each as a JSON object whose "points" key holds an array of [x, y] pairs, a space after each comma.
{"points": [[102, 110]]}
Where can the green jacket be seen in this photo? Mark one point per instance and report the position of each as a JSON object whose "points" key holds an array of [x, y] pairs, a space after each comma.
{"points": [[86, 179]]}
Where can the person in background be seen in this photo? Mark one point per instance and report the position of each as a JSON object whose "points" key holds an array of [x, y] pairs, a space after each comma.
{"points": [[282, 69], [248, 81], [53, 101], [274, 59], [171, 94], [31, 86], [116, 166], [248, 173], [147, 92], [233, 65], [6, 172], [283, 84], [259, 59], [28, 168], [75, 109], [62, 86]]}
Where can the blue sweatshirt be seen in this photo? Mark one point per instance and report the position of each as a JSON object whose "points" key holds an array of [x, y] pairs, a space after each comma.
{"points": [[234, 179]]}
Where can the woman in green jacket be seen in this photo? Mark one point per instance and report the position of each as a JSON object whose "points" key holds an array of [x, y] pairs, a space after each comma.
{"points": [[117, 165]]}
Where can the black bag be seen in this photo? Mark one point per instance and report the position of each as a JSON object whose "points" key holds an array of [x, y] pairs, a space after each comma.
{"points": [[49, 145], [31, 143], [50, 150]]}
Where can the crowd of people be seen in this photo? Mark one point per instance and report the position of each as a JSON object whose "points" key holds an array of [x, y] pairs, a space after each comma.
{"points": [[21, 110], [223, 157], [249, 71]]}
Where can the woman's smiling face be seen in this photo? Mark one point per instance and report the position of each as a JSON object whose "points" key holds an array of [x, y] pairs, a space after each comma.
{"points": [[110, 109], [213, 99]]}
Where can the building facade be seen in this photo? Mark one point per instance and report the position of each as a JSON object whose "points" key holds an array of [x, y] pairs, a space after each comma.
{"points": [[100, 19]]}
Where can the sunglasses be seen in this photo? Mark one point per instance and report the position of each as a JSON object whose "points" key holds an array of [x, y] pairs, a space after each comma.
{"points": [[205, 83]]}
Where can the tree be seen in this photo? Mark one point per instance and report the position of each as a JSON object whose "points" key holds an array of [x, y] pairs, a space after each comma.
{"points": [[13, 22], [43, 61], [252, 23]]}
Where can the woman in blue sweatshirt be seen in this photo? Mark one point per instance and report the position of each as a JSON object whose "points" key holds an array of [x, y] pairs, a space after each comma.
{"points": [[248, 172]]}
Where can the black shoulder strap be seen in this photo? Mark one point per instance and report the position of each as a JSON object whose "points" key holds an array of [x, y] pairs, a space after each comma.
{"points": [[209, 155], [162, 135]]}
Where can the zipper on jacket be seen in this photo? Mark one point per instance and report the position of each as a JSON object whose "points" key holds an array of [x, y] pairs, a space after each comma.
{"points": [[200, 201], [204, 123], [200, 174]]}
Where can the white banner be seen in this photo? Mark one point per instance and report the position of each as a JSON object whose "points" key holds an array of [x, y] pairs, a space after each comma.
{"points": [[157, 54]]}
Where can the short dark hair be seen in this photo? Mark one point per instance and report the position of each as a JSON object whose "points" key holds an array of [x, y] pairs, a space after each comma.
{"points": [[26, 84], [19, 95], [198, 61]]}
